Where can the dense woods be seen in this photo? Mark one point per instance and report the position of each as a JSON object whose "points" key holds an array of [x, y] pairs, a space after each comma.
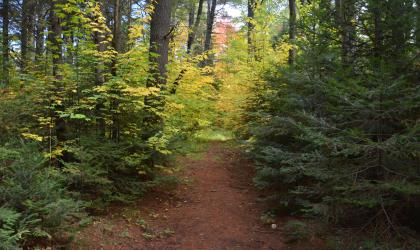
{"points": [[323, 96], [335, 133]]}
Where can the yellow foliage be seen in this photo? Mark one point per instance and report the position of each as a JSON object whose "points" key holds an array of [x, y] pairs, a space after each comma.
{"points": [[240, 75], [32, 137]]}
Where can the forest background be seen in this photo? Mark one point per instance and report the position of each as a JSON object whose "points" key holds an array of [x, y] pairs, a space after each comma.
{"points": [[323, 95]]}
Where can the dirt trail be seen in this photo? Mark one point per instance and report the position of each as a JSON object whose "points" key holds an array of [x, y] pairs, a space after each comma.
{"points": [[218, 209]]}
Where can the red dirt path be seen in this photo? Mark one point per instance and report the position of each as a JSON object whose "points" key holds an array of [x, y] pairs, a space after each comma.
{"points": [[217, 210]]}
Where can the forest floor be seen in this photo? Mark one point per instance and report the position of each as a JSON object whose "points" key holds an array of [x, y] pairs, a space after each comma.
{"points": [[216, 207]]}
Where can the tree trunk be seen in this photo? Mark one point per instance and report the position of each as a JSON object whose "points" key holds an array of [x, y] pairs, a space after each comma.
{"points": [[159, 42], [401, 23], [39, 33], [55, 39], [116, 44], [292, 30], [127, 46], [160, 33], [337, 16], [347, 14], [99, 81], [116, 40], [211, 14], [250, 31], [193, 25], [378, 36], [191, 16], [193, 34], [56, 42], [25, 33], [417, 10], [6, 48], [98, 38]]}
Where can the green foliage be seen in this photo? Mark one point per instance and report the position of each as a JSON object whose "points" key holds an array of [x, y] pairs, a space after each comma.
{"points": [[10, 233], [337, 141], [334, 136], [34, 203], [214, 135], [296, 230], [86, 104], [107, 171]]}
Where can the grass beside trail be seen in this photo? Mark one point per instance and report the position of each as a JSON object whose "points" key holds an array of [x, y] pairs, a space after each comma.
{"points": [[209, 135], [199, 141]]}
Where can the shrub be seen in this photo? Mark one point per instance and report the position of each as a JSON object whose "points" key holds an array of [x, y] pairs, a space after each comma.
{"points": [[34, 203], [295, 230]]}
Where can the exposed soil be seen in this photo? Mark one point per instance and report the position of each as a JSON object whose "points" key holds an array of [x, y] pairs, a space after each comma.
{"points": [[216, 209]]}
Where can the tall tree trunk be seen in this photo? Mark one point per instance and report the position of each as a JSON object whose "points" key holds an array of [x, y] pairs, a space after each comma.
{"points": [[98, 38], [160, 32], [347, 12], [337, 16], [378, 36], [193, 34], [116, 40], [68, 40], [417, 34], [159, 42], [55, 39], [127, 46], [193, 28], [5, 34], [191, 16], [99, 81], [116, 44], [211, 14], [250, 32], [401, 23], [292, 30], [25, 33], [39, 32]]}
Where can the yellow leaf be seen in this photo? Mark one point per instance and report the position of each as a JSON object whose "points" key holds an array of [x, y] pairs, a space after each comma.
{"points": [[32, 136]]}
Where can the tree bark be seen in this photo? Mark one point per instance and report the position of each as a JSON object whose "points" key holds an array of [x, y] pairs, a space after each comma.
{"points": [[39, 33], [402, 25], [98, 38], [116, 40], [99, 81], [25, 33], [56, 50], [211, 14], [250, 31], [159, 42], [347, 14], [378, 36], [417, 34], [160, 32], [191, 16], [116, 44], [6, 48], [193, 25], [292, 30], [193, 34], [56, 42], [127, 46], [337, 5]]}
